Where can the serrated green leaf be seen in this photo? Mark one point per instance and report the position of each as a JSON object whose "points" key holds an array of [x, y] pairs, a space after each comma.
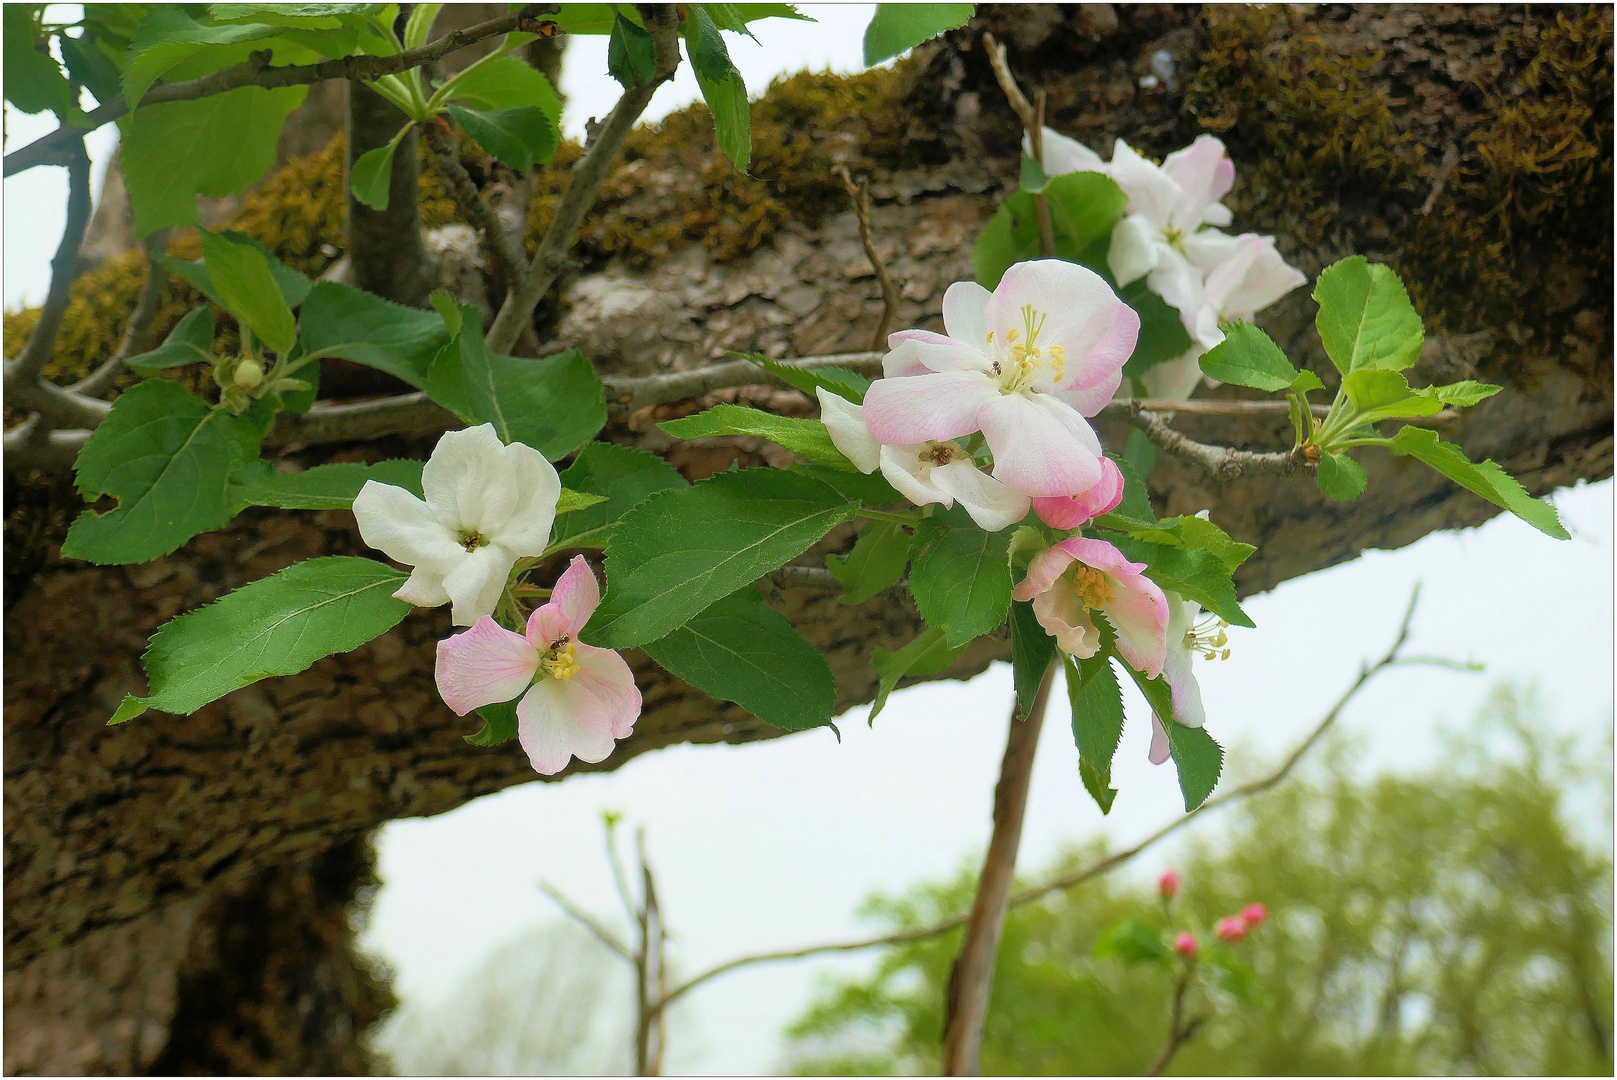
{"points": [[33, 80], [1098, 784], [571, 502], [169, 35], [960, 575], [899, 27], [588, 18], [1134, 942], [631, 54], [683, 549], [1306, 381], [507, 82], [499, 724], [340, 320], [327, 487], [1136, 504], [928, 654], [89, 66], [519, 137], [1465, 393], [722, 88], [872, 489], [190, 342], [1199, 760], [277, 625], [371, 177], [167, 458], [804, 436], [1186, 531], [1365, 318], [1097, 709], [1084, 206], [624, 476], [241, 277], [1032, 650], [874, 565], [1482, 478], [1383, 395], [1140, 452], [839, 381], [1340, 477], [1195, 573], [742, 650], [1248, 357], [293, 285]]}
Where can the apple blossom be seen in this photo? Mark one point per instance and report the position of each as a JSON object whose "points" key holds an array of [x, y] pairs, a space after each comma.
{"points": [[1230, 929], [1168, 884], [1024, 365], [1076, 576], [577, 700], [1071, 511], [1244, 275], [929, 472], [1185, 945], [1254, 915], [1186, 639], [487, 505]]}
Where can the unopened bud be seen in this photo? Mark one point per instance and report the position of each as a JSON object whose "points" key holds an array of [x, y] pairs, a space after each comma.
{"points": [[1185, 945], [1231, 929], [248, 374], [1253, 915], [1168, 884]]}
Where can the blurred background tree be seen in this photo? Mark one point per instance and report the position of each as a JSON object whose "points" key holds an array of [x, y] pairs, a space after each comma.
{"points": [[1454, 921]]}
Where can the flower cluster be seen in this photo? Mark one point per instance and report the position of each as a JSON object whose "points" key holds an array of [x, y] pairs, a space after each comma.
{"points": [[1171, 236], [488, 505], [1231, 929]]}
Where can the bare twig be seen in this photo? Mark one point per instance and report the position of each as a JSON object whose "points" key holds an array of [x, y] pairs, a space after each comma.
{"points": [[137, 335], [1179, 1032], [602, 934], [256, 71], [624, 396], [588, 175], [973, 975], [860, 195], [1220, 462], [651, 1025], [1032, 117], [503, 256]]}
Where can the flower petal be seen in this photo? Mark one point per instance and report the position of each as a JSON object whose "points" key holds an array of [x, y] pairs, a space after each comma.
{"points": [[527, 530], [469, 482], [1138, 610], [1072, 511], [991, 504], [1178, 378], [965, 313], [485, 664], [1177, 669], [1078, 312], [845, 423], [1041, 446], [918, 408], [1043, 570], [553, 731], [1252, 278], [1205, 173], [1152, 192], [915, 352], [1176, 281], [1136, 247], [1060, 610], [476, 584], [904, 468], [573, 600], [1159, 741], [1063, 155], [605, 675], [423, 588], [404, 528]]}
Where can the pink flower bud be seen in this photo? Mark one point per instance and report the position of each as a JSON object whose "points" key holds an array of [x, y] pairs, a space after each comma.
{"points": [[1253, 915], [1231, 929], [1185, 945], [1168, 884]]}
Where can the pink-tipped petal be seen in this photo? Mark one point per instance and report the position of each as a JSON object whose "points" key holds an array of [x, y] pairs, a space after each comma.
{"points": [[1043, 570], [1138, 610], [553, 731], [1160, 749], [965, 313], [1072, 511], [1152, 192], [937, 406], [1073, 308], [1254, 915], [991, 504], [573, 599], [917, 351], [1042, 447], [483, 665], [1060, 610], [1230, 929], [1205, 173], [845, 423], [605, 677]]}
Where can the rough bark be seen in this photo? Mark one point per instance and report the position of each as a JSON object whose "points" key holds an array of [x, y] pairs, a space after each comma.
{"points": [[385, 255], [119, 840]]}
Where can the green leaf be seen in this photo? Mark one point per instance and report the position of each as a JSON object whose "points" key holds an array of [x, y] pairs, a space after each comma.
{"points": [[1340, 477], [570, 502], [169, 35], [1464, 393], [1186, 531], [683, 549], [631, 54], [1136, 504], [1365, 318], [872, 489], [1382, 395], [803, 436], [89, 65], [167, 458], [874, 565], [241, 276], [928, 654], [340, 320], [1306, 381], [518, 137], [214, 146], [1140, 452], [499, 724], [1199, 760], [722, 88], [33, 80], [624, 476], [1134, 942], [742, 650], [1195, 573], [190, 342], [1097, 709], [1156, 691], [327, 487], [555, 404], [277, 625], [586, 18], [507, 82], [1033, 179], [1084, 207], [371, 177], [839, 381], [897, 27], [1032, 650], [960, 575], [293, 285], [1483, 478], [1011, 236], [1098, 784], [1248, 357]]}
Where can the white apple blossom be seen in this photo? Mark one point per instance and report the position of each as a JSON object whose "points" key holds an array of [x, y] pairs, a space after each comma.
{"points": [[1187, 638]]}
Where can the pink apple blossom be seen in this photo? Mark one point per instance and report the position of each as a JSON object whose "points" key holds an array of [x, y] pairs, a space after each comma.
{"points": [[1168, 884], [1077, 576], [1185, 945], [1254, 915], [1024, 365], [577, 700], [1230, 929], [1071, 511], [1244, 275]]}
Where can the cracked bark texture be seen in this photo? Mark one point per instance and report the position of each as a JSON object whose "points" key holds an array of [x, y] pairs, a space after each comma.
{"points": [[127, 846]]}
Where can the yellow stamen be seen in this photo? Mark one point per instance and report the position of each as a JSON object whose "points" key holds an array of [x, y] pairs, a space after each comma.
{"points": [[560, 661], [472, 541], [938, 453], [1208, 639], [1094, 590]]}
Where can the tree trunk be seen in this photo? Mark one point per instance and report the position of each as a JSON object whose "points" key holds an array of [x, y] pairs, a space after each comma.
{"points": [[131, 851]]}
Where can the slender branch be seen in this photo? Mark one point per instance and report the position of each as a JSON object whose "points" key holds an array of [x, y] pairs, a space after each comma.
{"points": [[588, 175], [651, 1027], [1071, 879], [33, 445], [602, 934], [1220, 462], [256, 71], [503, 256], [624, 396], [972, 978], [1178, 1031], [1032, 118], [860, 195], [137, 335]]}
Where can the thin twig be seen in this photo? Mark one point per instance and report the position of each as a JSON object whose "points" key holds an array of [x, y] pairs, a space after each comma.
{"points": [[1178, 1031], [1074, 878], [972, 977], [860, 195], [651, 1026], [602, 934], [48, 150], [1032, 117], [517, 310], [503, 256], [1220, 462], [137, 335], [624, 396]]}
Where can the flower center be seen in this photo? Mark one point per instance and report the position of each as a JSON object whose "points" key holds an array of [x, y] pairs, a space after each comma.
{"points": [[1174, 237], [472, 541], [560, 661], [1091, 585], [1025, 358], [1208, 638], [939, 453]]}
